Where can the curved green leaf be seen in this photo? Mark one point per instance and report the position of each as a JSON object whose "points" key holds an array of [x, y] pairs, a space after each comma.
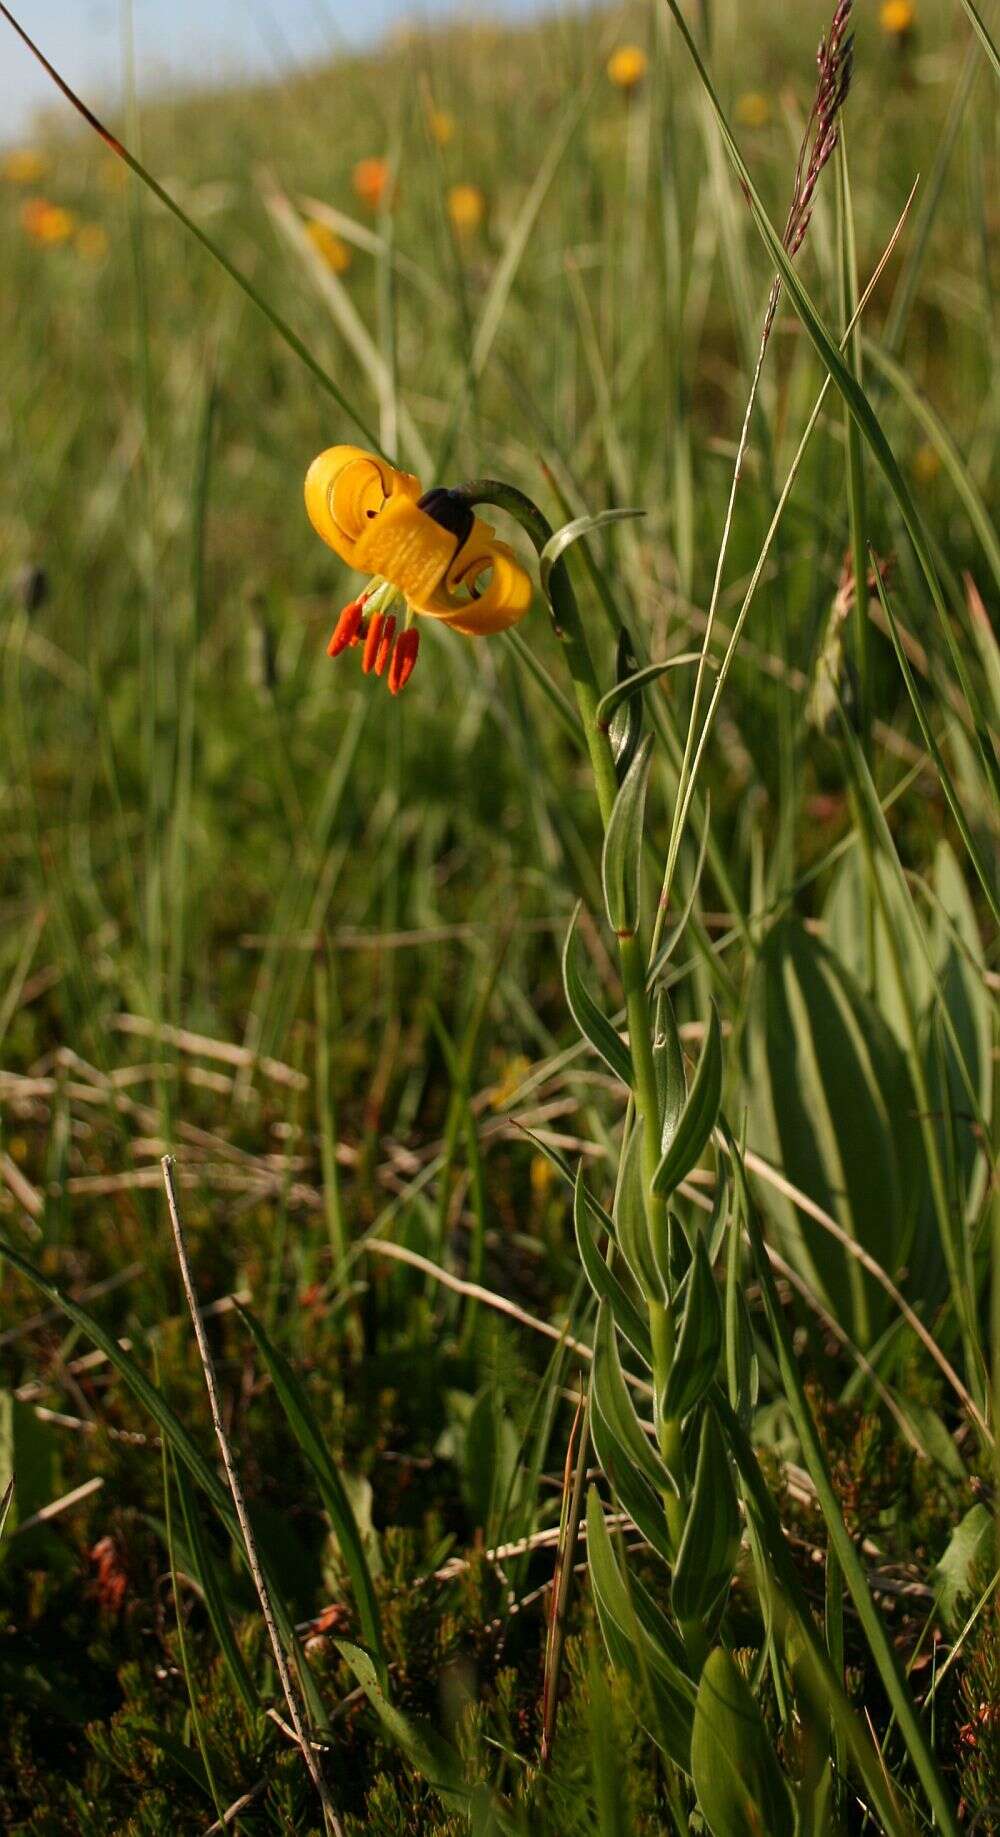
{"points": [[640, 1641], [593, 1024], [668, 1057], [711, 1540], [698, 1117], [630, 686], [699, 1342], [740, 1787], [563, 538], [611, 1397], [603, 1280], [621, 860]]}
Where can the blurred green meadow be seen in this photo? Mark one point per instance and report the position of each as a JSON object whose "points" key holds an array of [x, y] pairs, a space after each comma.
{"points": [[307, 938]]}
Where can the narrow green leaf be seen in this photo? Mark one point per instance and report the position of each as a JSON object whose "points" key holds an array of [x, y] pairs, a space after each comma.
{"points": [[631, 686], [603, 1280], [699, 1342], [698, 1117], [668, 1057], [640, 1641], [711, 1540], [644, 1507], [622, 857], [611, 1396], [632, 1222], [979, 27], [593, 1024], [206, 1576], [740, 1787], [306, 1430], [624, 726], [563, 538]]}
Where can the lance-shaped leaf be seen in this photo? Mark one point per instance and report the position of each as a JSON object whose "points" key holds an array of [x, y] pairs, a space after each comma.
{"points": [[644, 1507], [629, 687], [603, 1280], [622, 857], [631, 1225], [740, 1787], [707, 1556], [611, 1397], [564, 538], [698, 1116], [624, 720], [699, 1342], [640, 1641], [668, 1059], [592, 1022]]}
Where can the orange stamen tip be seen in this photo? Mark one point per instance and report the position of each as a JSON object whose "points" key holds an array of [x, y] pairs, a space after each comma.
{"points": [[385, 646], [372, 638], [346, 629], [404, 659]]}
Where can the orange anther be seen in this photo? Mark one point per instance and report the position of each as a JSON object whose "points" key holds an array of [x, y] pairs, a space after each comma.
{"points": [[404, 659], [346, 629], [372, 638], [385, 646]]}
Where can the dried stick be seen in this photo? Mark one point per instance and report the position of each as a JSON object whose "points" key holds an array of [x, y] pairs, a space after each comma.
{"points": [[573, 1483], [249, 1541]]}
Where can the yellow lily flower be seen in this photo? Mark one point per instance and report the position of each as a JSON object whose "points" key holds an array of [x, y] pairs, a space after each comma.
{"points": [[431, 551]]}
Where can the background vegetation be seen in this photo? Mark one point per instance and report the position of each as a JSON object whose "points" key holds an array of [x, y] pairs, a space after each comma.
{"points": [[308, 939]]}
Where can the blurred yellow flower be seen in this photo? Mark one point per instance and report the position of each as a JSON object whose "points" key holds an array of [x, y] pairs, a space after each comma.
{"points": [[627, 66], [753, 110], [897, 18], [371, 179], [926, 463], [45, 222], [24, 166], [513, 1075], [329, 246], [542, 1176], [441, 125], [466, 208], [92, 242]]}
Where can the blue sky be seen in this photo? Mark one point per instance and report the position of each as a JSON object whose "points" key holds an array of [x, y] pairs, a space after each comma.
{"points": [[206, 39]]}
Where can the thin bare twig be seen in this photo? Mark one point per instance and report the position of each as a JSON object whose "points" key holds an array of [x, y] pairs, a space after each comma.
{"points": [[250, 1544], [569, 1530]]}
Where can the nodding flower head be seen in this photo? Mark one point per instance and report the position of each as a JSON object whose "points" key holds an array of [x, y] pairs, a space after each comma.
{"points": [[428, 554]]}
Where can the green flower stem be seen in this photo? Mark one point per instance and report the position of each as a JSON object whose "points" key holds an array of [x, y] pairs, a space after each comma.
{"points": [[569, 630]]}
